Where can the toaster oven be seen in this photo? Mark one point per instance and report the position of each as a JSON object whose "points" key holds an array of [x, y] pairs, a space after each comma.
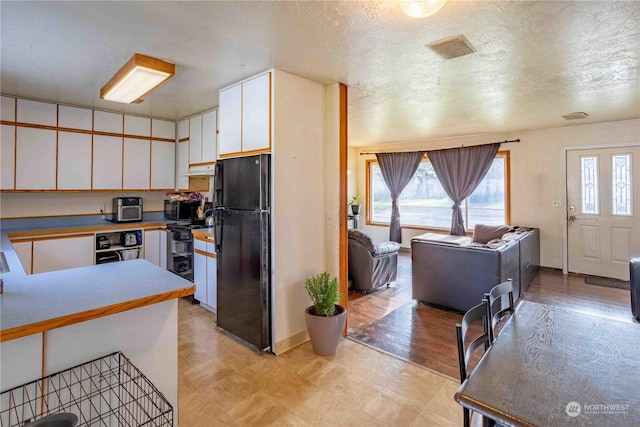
{"points": [[127, 209]]}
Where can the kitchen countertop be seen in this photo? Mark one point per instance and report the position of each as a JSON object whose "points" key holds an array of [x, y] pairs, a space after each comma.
{"points": [[204, 233], [39, 302]]}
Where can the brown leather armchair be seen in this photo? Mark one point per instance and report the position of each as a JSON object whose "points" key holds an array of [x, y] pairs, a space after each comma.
{"points": [[371, 265]]}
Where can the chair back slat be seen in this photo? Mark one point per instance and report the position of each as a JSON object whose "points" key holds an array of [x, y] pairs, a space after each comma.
{"points": [[503, 294]]}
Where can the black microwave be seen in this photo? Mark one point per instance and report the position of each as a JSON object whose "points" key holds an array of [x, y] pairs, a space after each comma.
{"points": [[180, 210], [127, 209]]}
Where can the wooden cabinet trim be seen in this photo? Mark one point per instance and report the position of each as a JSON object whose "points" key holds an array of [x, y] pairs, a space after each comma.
{"points": [[24, 235], [207, 254], [245, 153]]}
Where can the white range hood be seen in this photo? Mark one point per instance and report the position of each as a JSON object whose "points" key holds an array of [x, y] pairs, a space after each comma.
{"points": [[208, 170]]}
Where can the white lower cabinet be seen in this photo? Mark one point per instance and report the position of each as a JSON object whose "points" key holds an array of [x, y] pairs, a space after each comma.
{"points": [[155, 247], [61, 253], [204, 274]]}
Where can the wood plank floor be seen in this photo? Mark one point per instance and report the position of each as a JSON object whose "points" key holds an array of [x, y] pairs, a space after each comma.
{"points": [[388, 319], [223, 383]]}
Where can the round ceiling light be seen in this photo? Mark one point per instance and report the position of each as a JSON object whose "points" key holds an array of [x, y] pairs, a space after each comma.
{"points": [[421, 8]]}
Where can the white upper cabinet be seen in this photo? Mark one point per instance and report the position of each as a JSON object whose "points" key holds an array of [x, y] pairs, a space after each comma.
{"points": [[163, 155], [140, 126], [75, 118], [209, 136], [183, 165], [107, 122], [137, 164], [230, 118], [74, 161], [8, 109], [163, 165], [35, 159], [107, 162], [7, 156], [195, 140], [245, 117], [163, 129], [38, 113], [256, 108], [183, 130]]}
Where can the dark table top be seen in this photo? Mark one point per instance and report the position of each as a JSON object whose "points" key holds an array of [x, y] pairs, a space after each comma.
{"points": [[555, 367]]}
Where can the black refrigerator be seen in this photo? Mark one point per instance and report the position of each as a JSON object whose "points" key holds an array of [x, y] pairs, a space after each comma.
{"points": [[242, 197]]}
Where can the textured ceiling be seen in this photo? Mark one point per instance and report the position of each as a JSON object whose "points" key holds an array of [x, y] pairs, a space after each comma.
{"points": [[534, 62]]}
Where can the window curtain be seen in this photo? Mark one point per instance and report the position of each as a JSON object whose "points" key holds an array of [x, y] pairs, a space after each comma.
{"points": [[397, 170], [460, 171]]}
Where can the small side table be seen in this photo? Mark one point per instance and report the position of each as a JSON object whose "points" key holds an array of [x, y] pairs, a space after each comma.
{"points": [[355, 219]]}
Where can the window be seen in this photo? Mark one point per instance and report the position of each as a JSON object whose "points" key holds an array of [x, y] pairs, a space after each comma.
{"points": [[424, 203]]}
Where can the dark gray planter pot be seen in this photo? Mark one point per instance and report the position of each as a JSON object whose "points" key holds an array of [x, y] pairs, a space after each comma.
{"points": [[355, 209], [325, 332]]}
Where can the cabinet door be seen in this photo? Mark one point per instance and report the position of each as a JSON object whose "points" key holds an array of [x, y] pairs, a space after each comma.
{"points": [[163, 129], [163, 165], [152, 246], [35, 159], [75, 118], [183, 165], [163, 249], [23, 250], [62, 253], [74, 161], [256, 113], [107, 122], [230, 120], [39, 113], [209, 136], [107, 162], [200, 276], [7, 157], [8, 108], [134, 125], [136, 164], [211, 282], [195, 140]]}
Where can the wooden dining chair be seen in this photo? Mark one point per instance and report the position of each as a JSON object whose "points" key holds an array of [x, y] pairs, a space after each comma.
{"points": [[500, 304], [479, 313]]}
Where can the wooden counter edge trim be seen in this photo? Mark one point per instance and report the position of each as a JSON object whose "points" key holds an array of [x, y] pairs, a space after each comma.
{"points": [[490, 412], [128, 226], [209, 254], [205, 237], [46, 325]]}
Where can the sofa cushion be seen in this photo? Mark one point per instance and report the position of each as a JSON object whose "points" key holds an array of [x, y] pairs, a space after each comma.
{"points": [[386, 248], [483, 233], [363, 238]]}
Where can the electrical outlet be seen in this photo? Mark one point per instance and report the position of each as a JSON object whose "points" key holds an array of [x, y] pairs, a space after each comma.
{"points": [[101, 209]]}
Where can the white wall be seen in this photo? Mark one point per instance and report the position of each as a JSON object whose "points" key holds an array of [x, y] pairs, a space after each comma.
{"points": [[536, 175], [299, 208], [25, 205]]}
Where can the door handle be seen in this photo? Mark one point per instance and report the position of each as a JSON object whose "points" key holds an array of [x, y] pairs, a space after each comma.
{"points": [[571, 218]]}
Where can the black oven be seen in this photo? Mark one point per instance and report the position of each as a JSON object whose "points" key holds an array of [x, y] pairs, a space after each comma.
{"points": [[178, 210]]}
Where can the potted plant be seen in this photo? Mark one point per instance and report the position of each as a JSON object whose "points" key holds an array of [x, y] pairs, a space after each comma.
{"points": [[325, 318], [355, 207]]}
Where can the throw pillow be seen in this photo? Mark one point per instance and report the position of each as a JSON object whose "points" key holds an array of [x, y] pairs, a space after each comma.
{"points": [[483, 233]]}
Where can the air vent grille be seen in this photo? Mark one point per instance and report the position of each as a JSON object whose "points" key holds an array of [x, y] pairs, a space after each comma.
{"points": [[575, 116], [452, 47]]}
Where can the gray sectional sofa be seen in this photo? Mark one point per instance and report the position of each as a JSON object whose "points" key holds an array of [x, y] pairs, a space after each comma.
{"points": [[454, 272]]}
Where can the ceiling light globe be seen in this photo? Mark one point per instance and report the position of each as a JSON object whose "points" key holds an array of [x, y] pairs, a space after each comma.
{"points": [[421, 8]]}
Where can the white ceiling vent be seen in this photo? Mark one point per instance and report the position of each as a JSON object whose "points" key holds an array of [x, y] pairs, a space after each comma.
{"points": [[452, 47], [575, 116]]}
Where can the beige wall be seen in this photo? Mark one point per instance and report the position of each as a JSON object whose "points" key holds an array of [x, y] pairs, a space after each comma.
{"points": [[300, 200], [536, 175], [25, 205]]}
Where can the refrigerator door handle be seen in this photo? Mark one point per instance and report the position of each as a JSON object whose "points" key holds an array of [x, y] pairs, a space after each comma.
{"points": [[217, 227]]}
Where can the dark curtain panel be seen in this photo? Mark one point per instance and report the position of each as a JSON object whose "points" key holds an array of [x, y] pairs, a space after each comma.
{"points": [[460, 170], [397, 170]]}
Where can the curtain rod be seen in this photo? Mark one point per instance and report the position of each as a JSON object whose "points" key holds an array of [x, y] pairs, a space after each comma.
{"points": [[451, 148]]}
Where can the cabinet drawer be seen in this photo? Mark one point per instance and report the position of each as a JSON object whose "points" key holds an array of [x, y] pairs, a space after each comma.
{"points": [[200, 245]]}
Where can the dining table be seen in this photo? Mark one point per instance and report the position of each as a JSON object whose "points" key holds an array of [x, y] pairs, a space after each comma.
{"points": [[553, 366]]}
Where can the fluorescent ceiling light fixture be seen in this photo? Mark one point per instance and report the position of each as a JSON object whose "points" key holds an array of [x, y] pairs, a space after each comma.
{"points": [[421, 8], [139, 76]]}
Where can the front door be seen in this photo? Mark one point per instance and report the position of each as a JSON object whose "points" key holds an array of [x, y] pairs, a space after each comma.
{"points": [[603, 210]]}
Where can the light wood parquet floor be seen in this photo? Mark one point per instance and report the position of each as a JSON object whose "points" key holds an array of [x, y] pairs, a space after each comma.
{"points": [[223, 383], [388, 319]]}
